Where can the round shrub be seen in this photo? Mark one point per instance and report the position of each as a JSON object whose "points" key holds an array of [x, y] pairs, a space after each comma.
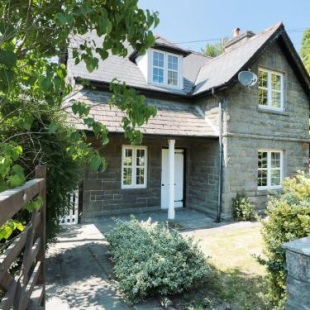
{"points": [[151, 259]]}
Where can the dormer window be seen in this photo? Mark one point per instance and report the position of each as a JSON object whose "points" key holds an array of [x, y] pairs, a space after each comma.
{"points": [[165, 69]]}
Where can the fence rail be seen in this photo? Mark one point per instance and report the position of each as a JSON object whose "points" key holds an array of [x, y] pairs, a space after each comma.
{"points": [[24, 288]]}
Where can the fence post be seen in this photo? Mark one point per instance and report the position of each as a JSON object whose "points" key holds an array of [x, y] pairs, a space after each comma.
{"points": [[40, 173]]}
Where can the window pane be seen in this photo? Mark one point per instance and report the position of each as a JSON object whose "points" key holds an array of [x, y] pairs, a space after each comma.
{"points": [[158, 59], [275, 160], [275, 82], [263, 79], [262, 178], [158, 75], [276, 99], [140, 176], [140, 160], [262, 97], [172, 78], [172, 63], [275, 177], [128, 157], [262, 159], [127, 176]]}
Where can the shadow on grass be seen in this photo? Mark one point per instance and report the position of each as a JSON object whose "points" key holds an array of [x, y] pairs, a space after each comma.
{"points": [[231, 289]]}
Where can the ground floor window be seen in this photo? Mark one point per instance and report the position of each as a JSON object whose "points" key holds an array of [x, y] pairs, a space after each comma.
{"points": [[270, 163], [134, 166]]}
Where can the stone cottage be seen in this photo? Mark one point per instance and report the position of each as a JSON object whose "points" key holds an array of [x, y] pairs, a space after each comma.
{"points": [[212, 137]]}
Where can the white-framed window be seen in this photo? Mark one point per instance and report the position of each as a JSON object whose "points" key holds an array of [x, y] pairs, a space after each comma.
{"points": [[134, 166], [270, 89], [165, 69], [270, 169]]}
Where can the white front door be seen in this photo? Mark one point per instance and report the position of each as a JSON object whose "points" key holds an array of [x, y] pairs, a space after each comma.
{"points": [[179, 178]]}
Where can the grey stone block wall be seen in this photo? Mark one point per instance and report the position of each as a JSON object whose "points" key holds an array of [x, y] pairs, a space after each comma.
{"points": [[298, 278], [203, 177]]}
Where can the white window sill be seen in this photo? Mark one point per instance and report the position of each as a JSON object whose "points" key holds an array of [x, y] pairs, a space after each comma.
{"points": [[166, 86], [134, 187], [272, 111]]}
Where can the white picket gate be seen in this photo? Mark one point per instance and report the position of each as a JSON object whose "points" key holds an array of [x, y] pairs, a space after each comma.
{"points": [[73, 216]]}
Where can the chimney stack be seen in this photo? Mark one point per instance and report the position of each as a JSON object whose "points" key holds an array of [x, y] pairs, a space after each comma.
{"points": [[236, 32]]}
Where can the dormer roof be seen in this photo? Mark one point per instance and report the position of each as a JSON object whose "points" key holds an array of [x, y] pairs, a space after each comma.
{"points": [[163, 45]]}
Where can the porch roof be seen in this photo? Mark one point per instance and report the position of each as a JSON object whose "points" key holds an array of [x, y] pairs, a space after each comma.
{"points": [[172, 119]]}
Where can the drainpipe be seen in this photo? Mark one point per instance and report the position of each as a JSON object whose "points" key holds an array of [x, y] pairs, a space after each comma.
{"points": [[219, 198], [220, 166]]}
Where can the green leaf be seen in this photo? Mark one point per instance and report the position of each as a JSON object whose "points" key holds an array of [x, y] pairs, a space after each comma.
{"points": [[91, 63], [35, 204], [80, 108], [52, 128], [15, 180], [8, 58], [5, 232], [9, 227]]}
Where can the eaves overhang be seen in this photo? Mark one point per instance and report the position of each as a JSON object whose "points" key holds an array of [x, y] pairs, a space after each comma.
{"points": [[105, 86]]}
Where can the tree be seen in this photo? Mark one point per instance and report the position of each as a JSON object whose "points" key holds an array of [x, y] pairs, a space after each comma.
{"points": [[215, 49], [305, 49], [32, 88]]}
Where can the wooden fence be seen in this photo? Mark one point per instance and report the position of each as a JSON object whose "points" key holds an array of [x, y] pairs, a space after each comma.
{"points": [[24, 289]]}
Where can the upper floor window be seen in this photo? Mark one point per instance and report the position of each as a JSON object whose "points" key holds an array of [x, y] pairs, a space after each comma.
{"points": [[270, 87], [270, 165], [166, 69], [134, 161]]}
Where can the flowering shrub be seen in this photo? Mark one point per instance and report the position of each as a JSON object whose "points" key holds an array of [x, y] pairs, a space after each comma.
{"points": [[151, 259], [288, 219], [243, 209]]}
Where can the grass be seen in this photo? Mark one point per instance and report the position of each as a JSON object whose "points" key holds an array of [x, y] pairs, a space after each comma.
{"points": [[237, 279]]}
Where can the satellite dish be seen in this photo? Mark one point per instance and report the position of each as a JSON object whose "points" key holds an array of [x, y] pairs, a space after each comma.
{"points": [[247, 78]]}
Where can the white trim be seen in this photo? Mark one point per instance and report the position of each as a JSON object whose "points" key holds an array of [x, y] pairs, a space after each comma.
{"points": [[269, 90], [171, 211], [165, 69], [134, 167], [269, 169]]}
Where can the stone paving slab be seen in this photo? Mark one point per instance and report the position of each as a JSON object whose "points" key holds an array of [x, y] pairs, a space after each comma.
{"points": [[78, 272]]}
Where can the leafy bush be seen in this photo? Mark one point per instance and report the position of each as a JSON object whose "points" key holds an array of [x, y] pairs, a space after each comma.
{"points": [[243, 209], [288, 219], [150, 259]]}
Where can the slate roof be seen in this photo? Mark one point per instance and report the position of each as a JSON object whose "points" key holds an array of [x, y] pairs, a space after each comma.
{"points": [[222, 69], [200, 73], [172, 119]]}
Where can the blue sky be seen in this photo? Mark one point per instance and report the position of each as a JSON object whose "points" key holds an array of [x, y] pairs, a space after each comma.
{"points": [[208, 21]]}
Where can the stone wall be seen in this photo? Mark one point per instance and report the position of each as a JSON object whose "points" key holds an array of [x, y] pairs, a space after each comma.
{"points": [[102, 193], [298, 278]]}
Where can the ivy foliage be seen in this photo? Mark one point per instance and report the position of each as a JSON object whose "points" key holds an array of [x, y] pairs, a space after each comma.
{"points": [[33, 126], [288, 218], [151, 259]]}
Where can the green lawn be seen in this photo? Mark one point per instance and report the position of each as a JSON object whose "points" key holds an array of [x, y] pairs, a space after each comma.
{"points": [[237, 279]]}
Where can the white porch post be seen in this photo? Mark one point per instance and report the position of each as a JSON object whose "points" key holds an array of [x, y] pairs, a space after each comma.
{"points": [[171, 212]]}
